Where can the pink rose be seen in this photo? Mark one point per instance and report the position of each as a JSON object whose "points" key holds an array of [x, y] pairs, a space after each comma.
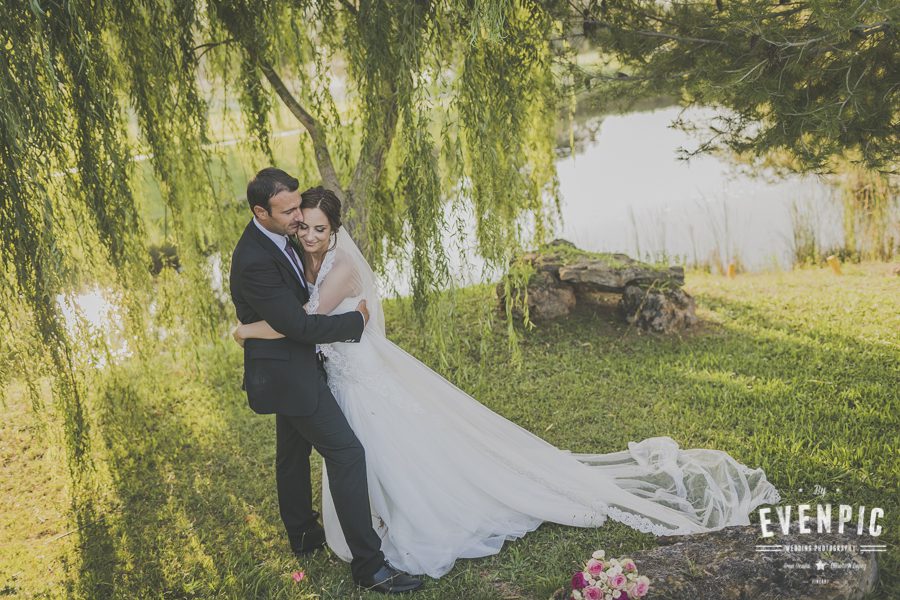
{"points": [[298, 576], [578, 581], [617, 581], [628, 565], [594, 567], [592, 593], [641, 587]]}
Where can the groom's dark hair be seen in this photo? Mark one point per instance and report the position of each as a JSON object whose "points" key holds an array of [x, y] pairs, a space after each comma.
{"points": [[267, 183]]}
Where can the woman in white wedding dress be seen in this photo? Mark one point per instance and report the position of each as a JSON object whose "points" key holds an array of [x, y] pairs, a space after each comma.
{"points": [[449, 478]]}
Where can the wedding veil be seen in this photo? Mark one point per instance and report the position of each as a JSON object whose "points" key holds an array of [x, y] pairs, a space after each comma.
{"points": [[346, 273]]}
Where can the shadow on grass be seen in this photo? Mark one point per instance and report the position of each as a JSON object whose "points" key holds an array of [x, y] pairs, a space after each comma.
{"points": [[182, 486], [97, 552]]}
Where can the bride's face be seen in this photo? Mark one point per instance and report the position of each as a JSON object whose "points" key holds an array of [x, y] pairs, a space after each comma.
{"points": [[315, 231]]}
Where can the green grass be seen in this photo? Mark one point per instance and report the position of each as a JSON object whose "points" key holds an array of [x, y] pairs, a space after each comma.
{"points": [[796, 372]]}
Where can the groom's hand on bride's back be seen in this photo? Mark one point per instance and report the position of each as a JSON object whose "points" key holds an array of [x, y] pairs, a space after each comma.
{"points": [[361, 307]]}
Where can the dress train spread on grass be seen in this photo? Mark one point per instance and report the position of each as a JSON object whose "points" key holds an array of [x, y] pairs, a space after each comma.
{"points": [[449, 478]]}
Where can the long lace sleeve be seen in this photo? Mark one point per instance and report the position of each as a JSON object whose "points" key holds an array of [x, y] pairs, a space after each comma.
{"points": [[345, 274], [338, 279]]}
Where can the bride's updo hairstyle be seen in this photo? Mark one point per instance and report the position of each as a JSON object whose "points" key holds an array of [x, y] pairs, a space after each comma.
{"points": [[326, 201]]}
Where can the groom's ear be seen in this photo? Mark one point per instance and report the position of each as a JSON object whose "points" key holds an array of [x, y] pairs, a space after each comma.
{"points": [[260, 212]]}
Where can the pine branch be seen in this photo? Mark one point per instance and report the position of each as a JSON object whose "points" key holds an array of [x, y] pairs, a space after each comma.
{"points": [[660, 34]]}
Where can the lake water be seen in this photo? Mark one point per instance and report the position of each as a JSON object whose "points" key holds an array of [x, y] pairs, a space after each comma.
{"points": [[627, 191]]}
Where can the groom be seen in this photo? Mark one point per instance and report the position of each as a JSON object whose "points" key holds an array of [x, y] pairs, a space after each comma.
{"points": [[286, 377]]}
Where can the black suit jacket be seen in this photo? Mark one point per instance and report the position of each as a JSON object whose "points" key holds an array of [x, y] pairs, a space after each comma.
{"points": [[281, 376]]}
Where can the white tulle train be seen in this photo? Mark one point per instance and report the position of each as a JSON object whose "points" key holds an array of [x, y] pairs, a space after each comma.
{"points": [[449, 478]]}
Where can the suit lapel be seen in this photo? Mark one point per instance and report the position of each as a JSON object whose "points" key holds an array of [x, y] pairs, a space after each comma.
{"points": [[278, 254]]}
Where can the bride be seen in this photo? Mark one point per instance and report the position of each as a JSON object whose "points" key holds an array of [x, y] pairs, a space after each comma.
{"points": [[448, 478]]}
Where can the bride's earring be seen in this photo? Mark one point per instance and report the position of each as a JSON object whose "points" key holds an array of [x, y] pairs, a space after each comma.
{"points": [[334, 235]]}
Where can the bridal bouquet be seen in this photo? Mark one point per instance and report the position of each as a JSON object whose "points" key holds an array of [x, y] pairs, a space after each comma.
{"points": [[613, 579]]}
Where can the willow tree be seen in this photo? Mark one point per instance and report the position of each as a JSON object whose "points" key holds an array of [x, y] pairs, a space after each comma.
{"points": [[446, 102]]}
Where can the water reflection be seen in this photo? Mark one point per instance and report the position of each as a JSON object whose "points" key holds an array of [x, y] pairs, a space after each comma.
{"points": [[625, 189], [93, 321]]}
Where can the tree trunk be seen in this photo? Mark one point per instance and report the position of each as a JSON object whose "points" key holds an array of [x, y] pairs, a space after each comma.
{"points": [[377, 140]]}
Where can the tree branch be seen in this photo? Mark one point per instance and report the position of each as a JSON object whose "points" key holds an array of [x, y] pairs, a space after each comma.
{"points": [[210, 45], [320, 145], [867, 30], [350, 8], [783, 13], [660, 34], [377, 140]]}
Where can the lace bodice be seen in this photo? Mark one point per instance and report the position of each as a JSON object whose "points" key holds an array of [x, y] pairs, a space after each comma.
{"points": [[312, 306], [338, 365]]}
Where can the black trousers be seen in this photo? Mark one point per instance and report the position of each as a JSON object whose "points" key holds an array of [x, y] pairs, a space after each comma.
{"points": [[328, 432]]}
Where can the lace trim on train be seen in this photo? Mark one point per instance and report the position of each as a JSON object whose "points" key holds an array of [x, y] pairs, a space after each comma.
{"points": [[643, 524], [772, 495]]}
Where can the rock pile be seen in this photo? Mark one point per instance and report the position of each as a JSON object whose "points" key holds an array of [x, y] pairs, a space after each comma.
{"points": [[564, 276]]}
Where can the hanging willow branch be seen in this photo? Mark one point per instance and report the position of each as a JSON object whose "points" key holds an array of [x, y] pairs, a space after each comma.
{"points": [[86, 87]]}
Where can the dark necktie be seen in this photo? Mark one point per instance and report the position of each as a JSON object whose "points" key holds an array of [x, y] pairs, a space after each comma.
{"points": [[293, 256]]}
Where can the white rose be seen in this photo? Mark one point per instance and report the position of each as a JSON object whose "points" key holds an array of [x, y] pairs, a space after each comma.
{"points": [[598, 554]]}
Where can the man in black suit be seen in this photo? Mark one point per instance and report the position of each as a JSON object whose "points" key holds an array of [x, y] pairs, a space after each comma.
{"points": [[285, 377]]}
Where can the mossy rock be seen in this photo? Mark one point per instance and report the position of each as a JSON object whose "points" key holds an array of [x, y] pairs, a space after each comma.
{"points": [[598, 271]]}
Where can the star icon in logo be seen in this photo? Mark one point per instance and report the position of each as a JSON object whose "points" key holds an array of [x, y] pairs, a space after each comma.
{"points": [[820, 566]]}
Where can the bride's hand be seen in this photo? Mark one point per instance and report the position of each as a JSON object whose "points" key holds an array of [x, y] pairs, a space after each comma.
{"points": [[236, 334]]}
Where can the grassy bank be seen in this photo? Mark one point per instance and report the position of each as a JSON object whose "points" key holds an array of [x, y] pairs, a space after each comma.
{"points": [[796, 372]]}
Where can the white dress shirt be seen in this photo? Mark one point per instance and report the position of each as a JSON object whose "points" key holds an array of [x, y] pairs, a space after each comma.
{"points": [[280, 240]]}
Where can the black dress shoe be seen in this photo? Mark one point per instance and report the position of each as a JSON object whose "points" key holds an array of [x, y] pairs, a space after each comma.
{"points": [[389, 580], [309, 541]]}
